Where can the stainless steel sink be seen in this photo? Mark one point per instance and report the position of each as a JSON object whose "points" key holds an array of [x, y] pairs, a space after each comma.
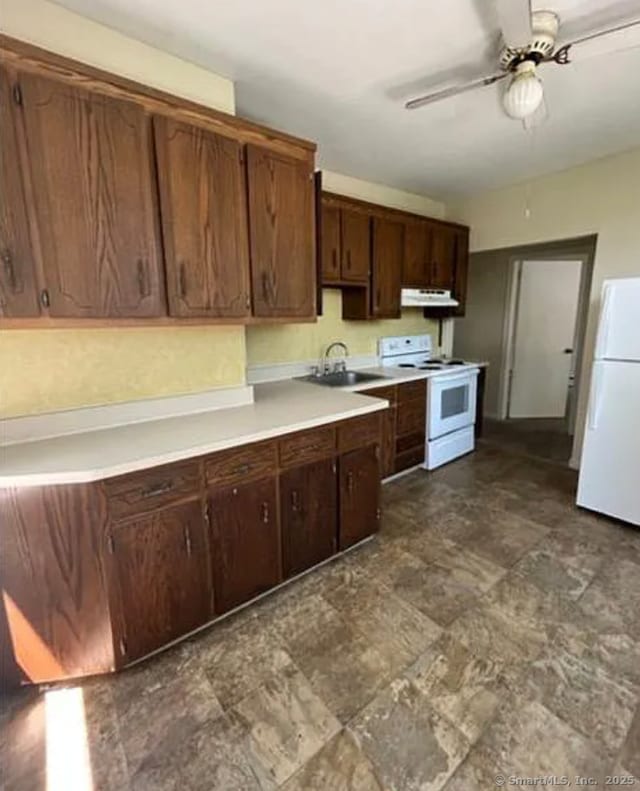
{"points": [[340, 378]]}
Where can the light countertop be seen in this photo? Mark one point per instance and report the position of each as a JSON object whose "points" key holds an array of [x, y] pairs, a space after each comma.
{"points": [[279, 408]]}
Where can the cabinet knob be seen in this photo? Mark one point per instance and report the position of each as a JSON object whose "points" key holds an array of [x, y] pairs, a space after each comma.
{"points": [[187, 541], [295, 501], [265, 512], [349, 481]]}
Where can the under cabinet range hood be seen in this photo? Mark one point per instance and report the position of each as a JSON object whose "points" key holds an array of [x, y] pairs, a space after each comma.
{"points": [[427, 297]]}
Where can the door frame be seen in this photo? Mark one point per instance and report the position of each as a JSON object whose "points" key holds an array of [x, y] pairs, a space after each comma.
{"points": [[556, 251]]}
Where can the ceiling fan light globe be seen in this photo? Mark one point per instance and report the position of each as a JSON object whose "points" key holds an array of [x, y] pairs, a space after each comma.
{"points": [[523, 97]]}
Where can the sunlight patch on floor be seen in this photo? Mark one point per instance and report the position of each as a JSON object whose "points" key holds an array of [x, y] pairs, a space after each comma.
{"points": [[67, 746]]}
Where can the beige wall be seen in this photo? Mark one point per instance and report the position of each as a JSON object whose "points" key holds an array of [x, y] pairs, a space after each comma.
{"points": [[45, 370], [601, 197], [478, 336], [290, 342]]}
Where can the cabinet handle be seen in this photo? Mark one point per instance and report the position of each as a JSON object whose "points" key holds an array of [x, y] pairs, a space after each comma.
{"points": [[9, 270], [182, 281], [123, 646], [349, 482], [158, 488], [143, 280], [295, 501], [265, 512], [187, 541], [241, 469]]}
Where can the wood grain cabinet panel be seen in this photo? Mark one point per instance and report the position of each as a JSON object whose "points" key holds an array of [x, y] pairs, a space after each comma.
{"points": [[359, 495], [242, 464], [356, 246], [282, 234], [204, 220], [461, 270], [160, 571], [53, 581], [308, 510], [388, 254], [93, 182], [303, 446], [139, 492], [359, 431], [416, 268], [331, 248], [443, 252], [18, 290], [245, 542]]}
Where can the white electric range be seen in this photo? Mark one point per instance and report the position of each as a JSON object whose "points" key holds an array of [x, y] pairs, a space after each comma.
{"points": [[451, 395]]}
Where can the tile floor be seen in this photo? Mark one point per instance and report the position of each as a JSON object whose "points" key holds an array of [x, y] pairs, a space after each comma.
{"points": [[490, 629]]}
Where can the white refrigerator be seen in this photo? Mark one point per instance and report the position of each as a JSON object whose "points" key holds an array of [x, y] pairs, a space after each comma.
{"points": [[610, 466]]}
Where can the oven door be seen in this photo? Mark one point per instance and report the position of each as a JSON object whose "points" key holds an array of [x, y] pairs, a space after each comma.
{"points": [[452, 402]]}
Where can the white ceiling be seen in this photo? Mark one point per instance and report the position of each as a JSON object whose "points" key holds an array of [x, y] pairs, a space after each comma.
{"points": [[339, 71]]}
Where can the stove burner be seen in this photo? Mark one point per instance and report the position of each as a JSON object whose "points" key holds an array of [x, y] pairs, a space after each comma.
{"points": [[406, 365], [432, 367]]}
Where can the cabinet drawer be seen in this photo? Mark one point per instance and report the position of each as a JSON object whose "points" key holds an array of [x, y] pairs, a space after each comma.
{"points": [[359, 432], [145, 491], [409, 458], [304, 446], [412, 416], [245, 463], [412, 390], [388, 392], [410, 442]]}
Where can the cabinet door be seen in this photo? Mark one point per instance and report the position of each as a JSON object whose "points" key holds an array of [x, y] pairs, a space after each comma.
{"points": [[461, 270], [416, 267], [160, 568], [245, 542], [388, 252], [443, 253], [356, 246], [18, 292], [359, 495], [281, 223], [308, 501], [204, 220], [330, 244], [93, 183]]}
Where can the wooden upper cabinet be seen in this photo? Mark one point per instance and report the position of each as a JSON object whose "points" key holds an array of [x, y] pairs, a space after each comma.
{"points": [[94, 192], [388, 253], [416, 269], [356, 246], [443, 256], [18, 291], [160, 573], [331, 244], [461, 269], [204, 220], [282, 234]]}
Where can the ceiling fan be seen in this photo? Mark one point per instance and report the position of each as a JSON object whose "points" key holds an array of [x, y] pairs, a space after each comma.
{"points": [[529, 40]]}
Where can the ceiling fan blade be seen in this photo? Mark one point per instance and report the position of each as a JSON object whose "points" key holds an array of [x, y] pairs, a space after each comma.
{"points": [[514, 17], [454, 90], [616, 39]]}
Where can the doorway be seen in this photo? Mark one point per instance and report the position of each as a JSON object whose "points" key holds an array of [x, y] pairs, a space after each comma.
{"points": [[543, 339]]}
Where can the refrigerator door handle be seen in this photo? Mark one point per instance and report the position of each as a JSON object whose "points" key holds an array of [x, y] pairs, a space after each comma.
{"points": [[596, 397], [605, 322]]}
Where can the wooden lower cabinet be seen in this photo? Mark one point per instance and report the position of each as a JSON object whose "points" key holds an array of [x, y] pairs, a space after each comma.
{"points": [[359, 495], [97, 575], [245, 542], [160, 572], [308, 498]]}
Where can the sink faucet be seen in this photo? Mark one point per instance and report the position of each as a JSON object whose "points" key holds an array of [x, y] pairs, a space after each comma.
{"points": [[340, 365]]}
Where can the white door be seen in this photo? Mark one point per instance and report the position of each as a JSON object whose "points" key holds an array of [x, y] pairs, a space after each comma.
{"points": [[542, 363], [619, 325], [611, 452]]}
